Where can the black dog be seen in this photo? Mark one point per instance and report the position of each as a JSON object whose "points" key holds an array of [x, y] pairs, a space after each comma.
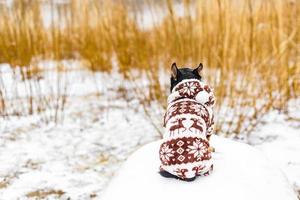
{"points": [[179, 75]]}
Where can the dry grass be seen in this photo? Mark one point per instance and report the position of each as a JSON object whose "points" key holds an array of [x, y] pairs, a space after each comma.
{"points": [[251, 48], [3, 184], [44, 194], [5, 181]]}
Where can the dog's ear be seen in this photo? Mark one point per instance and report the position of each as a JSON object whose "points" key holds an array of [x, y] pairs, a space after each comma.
{"points": [[198, 70], [174, 71]]}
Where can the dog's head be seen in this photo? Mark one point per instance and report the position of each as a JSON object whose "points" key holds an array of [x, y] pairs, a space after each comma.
{"points": [[177, 75]]}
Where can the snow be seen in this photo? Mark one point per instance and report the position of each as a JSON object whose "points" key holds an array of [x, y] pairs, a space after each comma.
{"points": [[101, 128], [78, 156], [279, 140], [241, 172], [74, 159]]}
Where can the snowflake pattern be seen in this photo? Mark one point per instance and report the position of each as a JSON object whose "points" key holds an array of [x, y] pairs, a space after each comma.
{"points": [[198, 149], [189, 88], [166, 153], [184, 150]]}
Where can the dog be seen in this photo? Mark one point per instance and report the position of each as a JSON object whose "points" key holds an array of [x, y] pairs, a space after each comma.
{"points": [[185, 152]]}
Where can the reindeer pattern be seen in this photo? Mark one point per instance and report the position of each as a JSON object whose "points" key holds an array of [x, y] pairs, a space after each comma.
{"points": [[188, 117], [177, 125]]}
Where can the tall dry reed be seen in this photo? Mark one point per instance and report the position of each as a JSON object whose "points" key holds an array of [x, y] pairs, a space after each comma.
{"points": [[250, 48]]}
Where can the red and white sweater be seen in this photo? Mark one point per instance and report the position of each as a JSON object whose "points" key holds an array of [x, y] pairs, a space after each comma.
{"points": [[189, 122]]}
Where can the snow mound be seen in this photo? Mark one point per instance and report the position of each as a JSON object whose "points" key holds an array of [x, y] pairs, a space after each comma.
{"points": [[240, 172]]}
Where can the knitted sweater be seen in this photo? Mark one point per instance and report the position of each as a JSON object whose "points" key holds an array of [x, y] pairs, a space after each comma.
{"points": [[189, 121]]}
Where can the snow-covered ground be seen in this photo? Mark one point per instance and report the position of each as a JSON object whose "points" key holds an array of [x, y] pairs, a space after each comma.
{"points": [[78, 158], [101, 129], [279, 139], [240, 172]]}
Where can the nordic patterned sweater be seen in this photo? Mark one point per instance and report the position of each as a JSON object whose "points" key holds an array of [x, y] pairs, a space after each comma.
{"points": [[189, 121]]}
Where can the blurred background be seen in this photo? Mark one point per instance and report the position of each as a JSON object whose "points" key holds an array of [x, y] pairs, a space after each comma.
{"points": [[83, 83]]}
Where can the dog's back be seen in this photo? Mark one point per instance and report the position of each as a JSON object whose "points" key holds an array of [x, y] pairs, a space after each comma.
{"points": [[185, 152]]}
